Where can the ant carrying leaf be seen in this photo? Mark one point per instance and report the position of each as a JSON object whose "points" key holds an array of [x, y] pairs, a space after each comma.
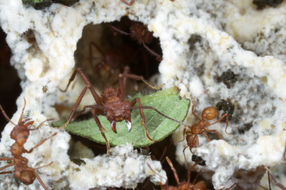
{"points": [[159, 127]]}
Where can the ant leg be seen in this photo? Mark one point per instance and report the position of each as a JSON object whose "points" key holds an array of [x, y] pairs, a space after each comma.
{"points": [[87, 83], [41, 181], [131, 2], [142, 117], [7, 166], [135, 77], [94, 107], [6, 159], [22, 113], [207, 137], [165, 151], [101, 129], [221, 118], [8, 172], [44, 165], [235, 184], [154, 109], [40, 125], [194, 142], [40, 143], [282, 187], [173, 169], [193, 110], [269, 180], [158, 57], [118, 30], [88, 86], [215, 131], [122, 82], [6, 116]]}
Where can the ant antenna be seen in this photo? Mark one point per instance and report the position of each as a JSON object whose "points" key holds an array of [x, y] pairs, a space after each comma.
{"points": [[6, 116], [158, 57], [22, 113]]}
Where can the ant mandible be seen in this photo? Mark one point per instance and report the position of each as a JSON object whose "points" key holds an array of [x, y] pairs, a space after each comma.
{"points": [[20, 134], [201, 127], [112, 103]]}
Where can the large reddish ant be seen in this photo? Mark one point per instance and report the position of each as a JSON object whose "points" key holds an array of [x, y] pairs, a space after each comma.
{"points": [[141, 34], [20, 134], [201, 127], [112, 103]]}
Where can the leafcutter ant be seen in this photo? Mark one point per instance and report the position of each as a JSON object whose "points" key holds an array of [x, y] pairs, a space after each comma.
{"points": [[141, 34], [20, 134], [112, 103], [201, 127]]}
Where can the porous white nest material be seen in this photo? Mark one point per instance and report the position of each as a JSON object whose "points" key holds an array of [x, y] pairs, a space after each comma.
{"points": [[123, 167], [200, 41]]}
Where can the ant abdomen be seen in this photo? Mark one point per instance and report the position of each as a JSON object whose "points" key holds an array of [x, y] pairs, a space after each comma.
{"points": [[25, 176]]}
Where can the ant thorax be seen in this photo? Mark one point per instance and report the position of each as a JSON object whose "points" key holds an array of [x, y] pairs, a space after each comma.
{"points": [[110, 95]]}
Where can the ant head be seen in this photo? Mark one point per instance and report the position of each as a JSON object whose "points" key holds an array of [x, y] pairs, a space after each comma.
{"points": [[20, 135], [209, 113]]}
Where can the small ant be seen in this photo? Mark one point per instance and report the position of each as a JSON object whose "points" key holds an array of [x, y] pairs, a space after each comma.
{"points": [[112, 103], [20, 134], [141, 34], [201, 127], [185, 185]]}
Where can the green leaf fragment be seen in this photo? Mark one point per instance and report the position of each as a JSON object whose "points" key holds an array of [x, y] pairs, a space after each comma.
{"points": [[166, 101]]}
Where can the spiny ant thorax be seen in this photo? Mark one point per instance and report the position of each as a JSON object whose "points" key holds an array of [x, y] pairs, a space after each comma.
{"points": [[110, 93], [17, 149]]}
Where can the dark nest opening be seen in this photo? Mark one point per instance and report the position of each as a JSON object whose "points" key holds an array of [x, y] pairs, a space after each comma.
{"points": [[9, 81], [105, 49]]}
